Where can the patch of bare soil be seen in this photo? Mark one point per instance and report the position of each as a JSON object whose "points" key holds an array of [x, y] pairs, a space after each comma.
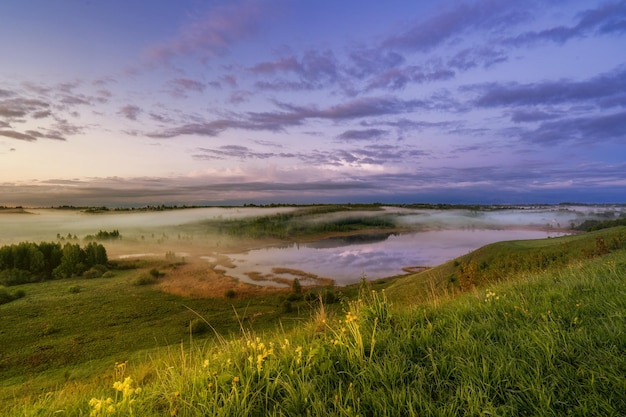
{"points": [[201, 280]]}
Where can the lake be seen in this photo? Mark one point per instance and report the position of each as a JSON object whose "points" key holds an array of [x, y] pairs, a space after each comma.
{"points": [[346, 260]]}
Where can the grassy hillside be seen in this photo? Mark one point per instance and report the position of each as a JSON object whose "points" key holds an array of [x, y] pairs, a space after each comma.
{"points": [[503, 260], [536, 339]]}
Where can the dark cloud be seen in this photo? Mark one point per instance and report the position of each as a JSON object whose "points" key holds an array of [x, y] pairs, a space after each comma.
{"points": [[485, 15], [482, 56], [365, 135], [290, 115], [605, 19], [130, 112], [21, 107], [30, 135], [605, 87], [365, 62], [314, 69], [17, 135], [179, 87], [398, 78], [212, 128], [590, 129]]}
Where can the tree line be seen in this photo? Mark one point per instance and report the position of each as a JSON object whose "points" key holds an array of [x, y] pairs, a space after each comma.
{"points": [[33, 262]]}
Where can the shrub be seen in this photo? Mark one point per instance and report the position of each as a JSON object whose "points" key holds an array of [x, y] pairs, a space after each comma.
{"points": [[92, 273], [286, 307], [295, 296], [144, 279], [156, 273], [7, 297], [198, 326], [74, 289], [230, 294]]}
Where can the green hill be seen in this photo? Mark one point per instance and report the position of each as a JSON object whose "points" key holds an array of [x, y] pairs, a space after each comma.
{"points": [[502, 261]]}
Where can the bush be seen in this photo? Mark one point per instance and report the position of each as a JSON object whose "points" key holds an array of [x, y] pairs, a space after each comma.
{"points": [[7, 297], [144, 279], [295, 296], [74, 289], [230, 294], [156, 273], [198, 326], [286, 307], [92, 273]]}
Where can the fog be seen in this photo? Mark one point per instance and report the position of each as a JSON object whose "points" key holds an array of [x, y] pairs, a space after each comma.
{"points": [[429, 237]]}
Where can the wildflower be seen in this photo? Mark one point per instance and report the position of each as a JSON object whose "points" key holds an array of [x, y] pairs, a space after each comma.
{"points": [[235, 380], [490, 295]]}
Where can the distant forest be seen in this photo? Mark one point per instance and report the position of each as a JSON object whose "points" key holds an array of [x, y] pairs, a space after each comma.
{"points": [[33, 262]]}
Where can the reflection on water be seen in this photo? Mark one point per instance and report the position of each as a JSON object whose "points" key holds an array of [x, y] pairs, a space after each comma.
{"points": [[347, 259]]}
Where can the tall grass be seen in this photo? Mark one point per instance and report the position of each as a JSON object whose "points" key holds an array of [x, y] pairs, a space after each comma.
{"points": [[549, 344]]}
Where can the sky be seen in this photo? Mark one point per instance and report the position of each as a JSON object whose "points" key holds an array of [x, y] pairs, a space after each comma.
{"points": [[216, 102]]}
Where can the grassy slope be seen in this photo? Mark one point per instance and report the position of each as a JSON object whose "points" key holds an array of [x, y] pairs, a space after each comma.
{"points": [[502, 260], [546, 344], [48, 336]]}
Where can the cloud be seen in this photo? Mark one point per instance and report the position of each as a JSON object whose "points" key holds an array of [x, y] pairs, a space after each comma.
{"points": [[179, 87], [522, 116], [314, 69], [398, 78], [485, 15], [352, 109], [237, 152], [366, 135], [21, 107], [131, 112], [30, 135], [212, 34], [607, 18], [589, 129], [213, 128], [484, 56], [604, 86]]}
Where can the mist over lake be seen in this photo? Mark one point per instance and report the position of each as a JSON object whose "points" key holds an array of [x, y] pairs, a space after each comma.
{"points": [[424, 237]]}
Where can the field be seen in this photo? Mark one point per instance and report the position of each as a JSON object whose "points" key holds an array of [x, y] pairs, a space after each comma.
{"points": [[164, 336]]}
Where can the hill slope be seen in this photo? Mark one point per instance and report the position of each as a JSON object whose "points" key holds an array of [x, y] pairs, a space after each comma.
{"points": [[503, 260]]}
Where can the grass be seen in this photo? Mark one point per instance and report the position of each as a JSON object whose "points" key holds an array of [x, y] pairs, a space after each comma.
{"points": [[547, 343], [502, 261], [539, 340], [71, 329]]}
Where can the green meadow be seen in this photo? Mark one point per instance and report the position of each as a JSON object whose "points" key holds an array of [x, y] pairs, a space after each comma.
{"points": [[514, 328]]}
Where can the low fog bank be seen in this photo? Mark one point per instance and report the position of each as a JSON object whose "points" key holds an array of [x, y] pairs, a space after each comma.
{"points": [[38, 224], [550, 217]]}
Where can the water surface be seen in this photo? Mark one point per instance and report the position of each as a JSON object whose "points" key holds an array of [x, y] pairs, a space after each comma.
{"points": [[346, 260]]}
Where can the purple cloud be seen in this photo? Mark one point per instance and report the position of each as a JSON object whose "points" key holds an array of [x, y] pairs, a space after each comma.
{"points": [[213, 34], [179, 87], [131, 112], [366, 135], [485, 15], [553, 92], [606, 18]]}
